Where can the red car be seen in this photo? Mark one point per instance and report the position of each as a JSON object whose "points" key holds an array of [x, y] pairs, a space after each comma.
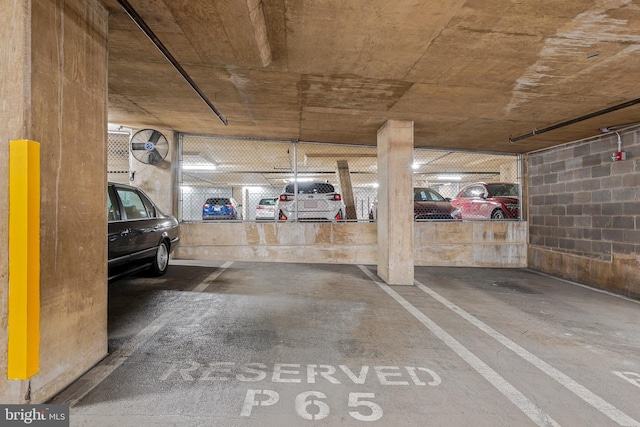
{"points": [[495, 200]]}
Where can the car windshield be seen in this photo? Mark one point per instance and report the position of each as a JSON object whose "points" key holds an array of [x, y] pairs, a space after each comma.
{"points": [[311, 188], [218, 201], [503, 190], [268, 202], [426, 195]]}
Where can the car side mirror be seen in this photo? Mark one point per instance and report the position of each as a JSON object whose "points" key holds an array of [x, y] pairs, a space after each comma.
{"points": [[448, 199]]}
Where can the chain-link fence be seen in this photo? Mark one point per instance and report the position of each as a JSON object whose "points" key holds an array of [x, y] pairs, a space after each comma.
{"points": [[256, 180], [465, 185], [118, 157]]}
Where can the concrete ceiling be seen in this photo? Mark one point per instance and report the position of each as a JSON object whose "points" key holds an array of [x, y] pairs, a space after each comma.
{"points": [[468, 73]]}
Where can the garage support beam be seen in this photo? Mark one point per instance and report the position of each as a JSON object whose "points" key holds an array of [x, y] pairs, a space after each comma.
{"points": [[256, 15], [347, 190], [53, 80], [395, 190]]}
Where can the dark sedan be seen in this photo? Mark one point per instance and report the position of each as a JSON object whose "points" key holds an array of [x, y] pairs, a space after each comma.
{"points": [[428, 204], [141, 237]]}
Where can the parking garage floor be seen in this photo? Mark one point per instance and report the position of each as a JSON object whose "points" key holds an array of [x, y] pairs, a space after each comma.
{"points": [[271, 344]]}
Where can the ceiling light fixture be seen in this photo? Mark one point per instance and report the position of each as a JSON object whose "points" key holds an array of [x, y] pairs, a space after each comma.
{"points": [[209, 167], [301, 179], [449, 177]]}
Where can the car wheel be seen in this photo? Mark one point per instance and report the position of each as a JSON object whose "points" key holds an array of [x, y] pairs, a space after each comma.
{"points": [[498, 214], [161, 260]]}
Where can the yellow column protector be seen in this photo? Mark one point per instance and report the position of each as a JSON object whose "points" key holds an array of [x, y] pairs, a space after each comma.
{"points": [[23, 358]]}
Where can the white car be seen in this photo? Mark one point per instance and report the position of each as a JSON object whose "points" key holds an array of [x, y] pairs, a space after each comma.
{"points": [[316, 201], [266, 209]]}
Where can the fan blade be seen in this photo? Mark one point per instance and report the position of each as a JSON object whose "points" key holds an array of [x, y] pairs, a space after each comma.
{"points": [[138, 146], [155, 156], [155, 136]]}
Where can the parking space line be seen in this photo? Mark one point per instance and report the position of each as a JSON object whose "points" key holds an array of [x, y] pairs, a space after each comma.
{"points": [[212, 277], [530, 409], [579, 390], [92, 378]]}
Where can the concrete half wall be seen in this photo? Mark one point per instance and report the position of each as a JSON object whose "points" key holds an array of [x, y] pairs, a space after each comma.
{"points": [[471, 244], [468, 244]]}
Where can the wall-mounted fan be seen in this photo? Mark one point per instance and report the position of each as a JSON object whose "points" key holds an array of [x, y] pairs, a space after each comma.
{"points": [[149, 146]]}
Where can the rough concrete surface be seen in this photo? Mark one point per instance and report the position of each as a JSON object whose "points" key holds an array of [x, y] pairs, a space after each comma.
{"points": [[470, 74], [54, 89], [470, 244], [265, 344]]}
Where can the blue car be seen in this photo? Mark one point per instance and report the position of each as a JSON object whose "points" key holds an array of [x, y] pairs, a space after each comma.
{"points": [[220, 208]]}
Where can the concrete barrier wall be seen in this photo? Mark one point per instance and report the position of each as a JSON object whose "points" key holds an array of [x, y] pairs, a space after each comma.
{"points": [[621, 275], [340, 243], [469, 244]]}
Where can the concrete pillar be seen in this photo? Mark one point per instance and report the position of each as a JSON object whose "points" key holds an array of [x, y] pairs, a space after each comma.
{"points": [[395, 202], [347, 190], [53, 86], [13, 116]]}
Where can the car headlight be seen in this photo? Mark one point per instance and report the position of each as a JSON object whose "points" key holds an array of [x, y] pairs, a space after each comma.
{"points": [[512, 206]]}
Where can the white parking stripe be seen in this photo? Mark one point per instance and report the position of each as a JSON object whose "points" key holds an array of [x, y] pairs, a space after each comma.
{"points": [[91, 379], [212, 277], [579, 390], [530, 409]]}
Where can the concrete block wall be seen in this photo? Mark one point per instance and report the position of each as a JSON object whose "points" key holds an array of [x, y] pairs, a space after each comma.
{"points": [[584, 212]]}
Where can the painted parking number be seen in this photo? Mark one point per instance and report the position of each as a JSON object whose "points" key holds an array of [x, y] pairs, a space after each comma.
{"points": [[355, 401], [310, 406], [307, 401]]}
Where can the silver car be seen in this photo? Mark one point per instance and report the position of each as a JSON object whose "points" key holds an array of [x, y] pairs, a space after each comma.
{"points": [[266, 209], [315, 201]]}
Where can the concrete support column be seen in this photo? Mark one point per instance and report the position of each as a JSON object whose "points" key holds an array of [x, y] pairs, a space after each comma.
{"points": [[13, 116], [53, 86], [347, 190], [395, 180]]}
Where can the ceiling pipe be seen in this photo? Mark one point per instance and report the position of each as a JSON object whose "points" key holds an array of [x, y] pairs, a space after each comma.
{"points": [[161, 47], [576, 120], [616, 128]]}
